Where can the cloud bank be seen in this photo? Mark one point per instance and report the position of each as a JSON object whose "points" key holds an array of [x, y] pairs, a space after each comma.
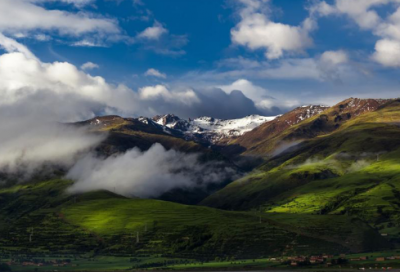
{"points": [[36, 96], [31, 147], [145, 174]]}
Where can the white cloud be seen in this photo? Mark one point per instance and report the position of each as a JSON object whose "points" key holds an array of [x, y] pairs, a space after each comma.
{"points": [[365, 15], [187, 97], [387, 53], [34, 98], [21, 78], [42, 37], [22, 15], [158, 39], [322, 9], [145, 174], [259, 95], [11, 45], [257, 31], [89, 66], [78, 3], [153, 32], [250, 90], [262, 97], [87, 43], [155, 73], [29, 144], [334, 57], [359, 11]]}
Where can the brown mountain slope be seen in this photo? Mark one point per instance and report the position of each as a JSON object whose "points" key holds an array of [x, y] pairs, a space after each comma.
{"points": [[127, 133], [333, 118], [303, 123], [249, 142]]}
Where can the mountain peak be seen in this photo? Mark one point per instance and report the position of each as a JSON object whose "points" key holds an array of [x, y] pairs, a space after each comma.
{"points": [[208, 129], [166, 119]]}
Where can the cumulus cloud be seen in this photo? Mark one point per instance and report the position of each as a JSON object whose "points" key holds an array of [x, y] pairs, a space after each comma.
{"points": [[257, 31], [187, 97], [153, 33], [334, 57], [387, 53], [155, 73], [261, 97], [188, 102], [157, 38], [258, 94], [364, 13], [21, 77], [35, 98], [331, 63], [145, 174], [89, 66], [202, 101]]}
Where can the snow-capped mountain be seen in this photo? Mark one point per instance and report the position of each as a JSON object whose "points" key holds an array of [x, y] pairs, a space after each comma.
{"points": [[212, 130]]}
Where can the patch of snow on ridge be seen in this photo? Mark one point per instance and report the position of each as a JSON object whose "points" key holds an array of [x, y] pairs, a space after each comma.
{"points": [[211, 130], [232, 127]]}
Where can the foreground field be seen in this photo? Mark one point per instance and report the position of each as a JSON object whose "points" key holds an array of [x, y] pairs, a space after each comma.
{"points": [[42, 218]]}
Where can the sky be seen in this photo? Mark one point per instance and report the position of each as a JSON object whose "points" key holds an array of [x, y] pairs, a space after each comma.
{"points": [[75, 59]]}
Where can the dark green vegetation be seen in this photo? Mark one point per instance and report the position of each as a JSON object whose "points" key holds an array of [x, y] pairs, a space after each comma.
{"points": [[42, 218], [336, 191]]}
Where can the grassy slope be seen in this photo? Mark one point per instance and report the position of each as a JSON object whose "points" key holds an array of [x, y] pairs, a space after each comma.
{"points": [[336, 173], [105, 223]]}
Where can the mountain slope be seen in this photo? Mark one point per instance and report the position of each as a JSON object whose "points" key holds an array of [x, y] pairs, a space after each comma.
{"points": [[353, 170], [303, 123], [260, 140]]}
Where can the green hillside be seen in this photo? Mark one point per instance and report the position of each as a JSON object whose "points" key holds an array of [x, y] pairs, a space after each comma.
{"points": [[353, 171]]}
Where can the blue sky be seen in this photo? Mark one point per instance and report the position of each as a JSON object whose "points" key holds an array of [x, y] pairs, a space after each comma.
{"points": [[190, 57]]}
